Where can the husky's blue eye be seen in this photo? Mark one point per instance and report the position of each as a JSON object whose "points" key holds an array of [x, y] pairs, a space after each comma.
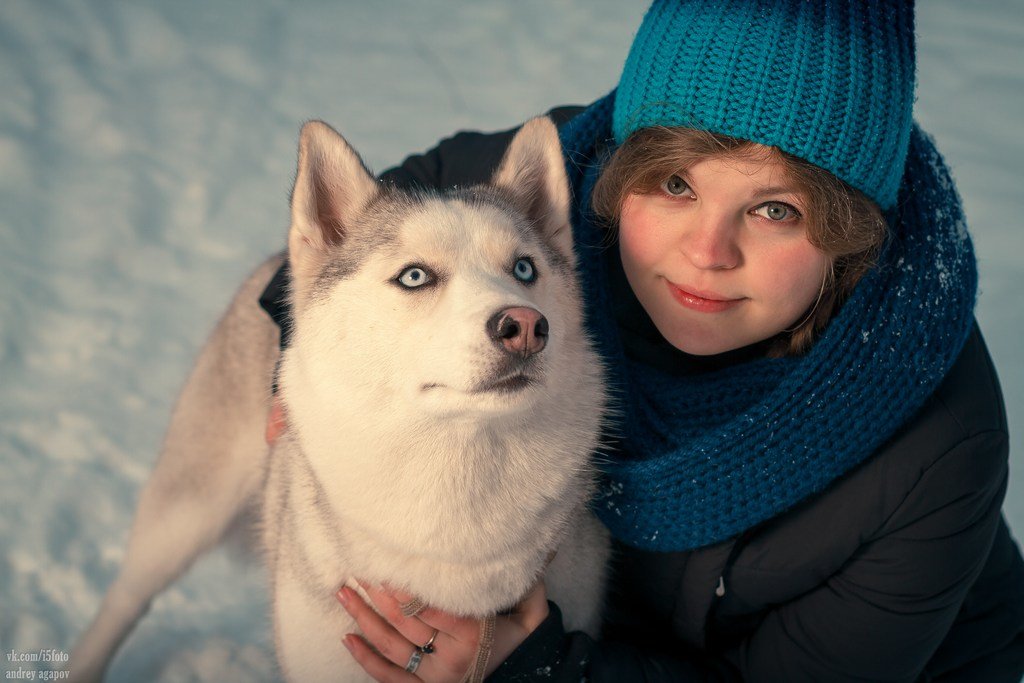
{"points": [[524, 270], [414, 276]]}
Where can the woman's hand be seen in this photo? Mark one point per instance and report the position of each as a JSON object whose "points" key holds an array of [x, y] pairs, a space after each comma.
{"points": [[447, 644], [276, 421], [390, 640]]}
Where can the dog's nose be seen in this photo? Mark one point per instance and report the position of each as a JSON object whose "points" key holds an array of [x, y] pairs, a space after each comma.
{"points": [[520, 330]]}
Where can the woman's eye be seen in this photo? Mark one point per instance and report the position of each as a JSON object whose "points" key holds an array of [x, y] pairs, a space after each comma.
{"points": [[524, 270], [777, 211], [414, 276], [675, 186]]}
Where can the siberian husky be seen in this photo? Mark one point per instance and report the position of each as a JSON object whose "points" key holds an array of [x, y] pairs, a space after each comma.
{"points": [[443, 404]]}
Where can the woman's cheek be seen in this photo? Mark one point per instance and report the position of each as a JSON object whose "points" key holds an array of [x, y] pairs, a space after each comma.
{"points": [[639, 241], [795, 277]]}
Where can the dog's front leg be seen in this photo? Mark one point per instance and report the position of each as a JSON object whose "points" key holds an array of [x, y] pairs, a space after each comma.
{"points": [[176, 521], [212, 466]]}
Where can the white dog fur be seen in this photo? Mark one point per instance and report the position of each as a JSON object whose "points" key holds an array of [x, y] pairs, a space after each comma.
{"points": [[424, 450]]}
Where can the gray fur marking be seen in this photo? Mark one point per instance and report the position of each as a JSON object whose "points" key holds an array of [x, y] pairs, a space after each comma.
{"points": [[484, 195], [376, 226]]}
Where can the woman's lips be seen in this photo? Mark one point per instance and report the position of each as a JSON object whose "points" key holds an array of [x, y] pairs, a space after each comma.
{"points": [[703, 302]]}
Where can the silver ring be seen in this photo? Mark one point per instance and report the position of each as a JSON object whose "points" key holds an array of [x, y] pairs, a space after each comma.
{"points": [[428, 647], [414, 661]]}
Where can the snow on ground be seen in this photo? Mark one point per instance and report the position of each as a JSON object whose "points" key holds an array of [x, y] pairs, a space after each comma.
{"points": [[147, 150]]}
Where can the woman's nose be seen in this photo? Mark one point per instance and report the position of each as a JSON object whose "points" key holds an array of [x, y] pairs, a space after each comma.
{"points": [[710, 243]]}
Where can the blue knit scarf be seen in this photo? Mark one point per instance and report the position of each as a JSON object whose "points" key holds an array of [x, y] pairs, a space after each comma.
{"points": [[706, 456]]}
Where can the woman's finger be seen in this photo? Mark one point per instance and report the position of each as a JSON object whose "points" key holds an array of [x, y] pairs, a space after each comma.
{"points": [[461, 629], [379, 668], [391, 645], [414, 629], [450, 655], [398, 639]]}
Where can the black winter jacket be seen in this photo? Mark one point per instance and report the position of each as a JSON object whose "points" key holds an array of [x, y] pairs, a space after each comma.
{"points": [[902, 570]]}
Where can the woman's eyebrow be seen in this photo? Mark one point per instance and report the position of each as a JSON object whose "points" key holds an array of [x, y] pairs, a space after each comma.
{"points": [[775, 190]]}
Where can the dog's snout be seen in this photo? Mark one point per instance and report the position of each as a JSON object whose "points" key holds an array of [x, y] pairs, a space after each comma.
{"points": [[520, 330]]}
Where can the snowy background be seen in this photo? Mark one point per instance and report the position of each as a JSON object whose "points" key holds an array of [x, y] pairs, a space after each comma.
{"points": [[146, 151]]}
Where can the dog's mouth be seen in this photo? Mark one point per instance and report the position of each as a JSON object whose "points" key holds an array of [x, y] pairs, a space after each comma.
{"points": [[504, 378], [509, 384]]}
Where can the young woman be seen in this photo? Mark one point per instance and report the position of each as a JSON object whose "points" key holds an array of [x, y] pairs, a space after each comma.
{"points": [[813, 446]]}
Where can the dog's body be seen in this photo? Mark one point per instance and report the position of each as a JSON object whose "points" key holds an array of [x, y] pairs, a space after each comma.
{"points": [[442, 399]]}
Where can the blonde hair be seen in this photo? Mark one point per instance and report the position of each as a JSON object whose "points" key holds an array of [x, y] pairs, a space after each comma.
{"points": [[841, 221]]}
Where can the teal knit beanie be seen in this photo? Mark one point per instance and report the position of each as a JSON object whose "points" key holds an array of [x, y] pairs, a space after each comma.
{"points": [[829, 81]]}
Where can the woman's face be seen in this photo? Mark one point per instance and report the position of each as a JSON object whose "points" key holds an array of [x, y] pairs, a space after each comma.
{"points": [[719, 257]]}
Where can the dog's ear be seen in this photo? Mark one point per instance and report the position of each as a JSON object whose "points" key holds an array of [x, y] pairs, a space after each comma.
{"points": [[533, 173], [332, 186]]}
